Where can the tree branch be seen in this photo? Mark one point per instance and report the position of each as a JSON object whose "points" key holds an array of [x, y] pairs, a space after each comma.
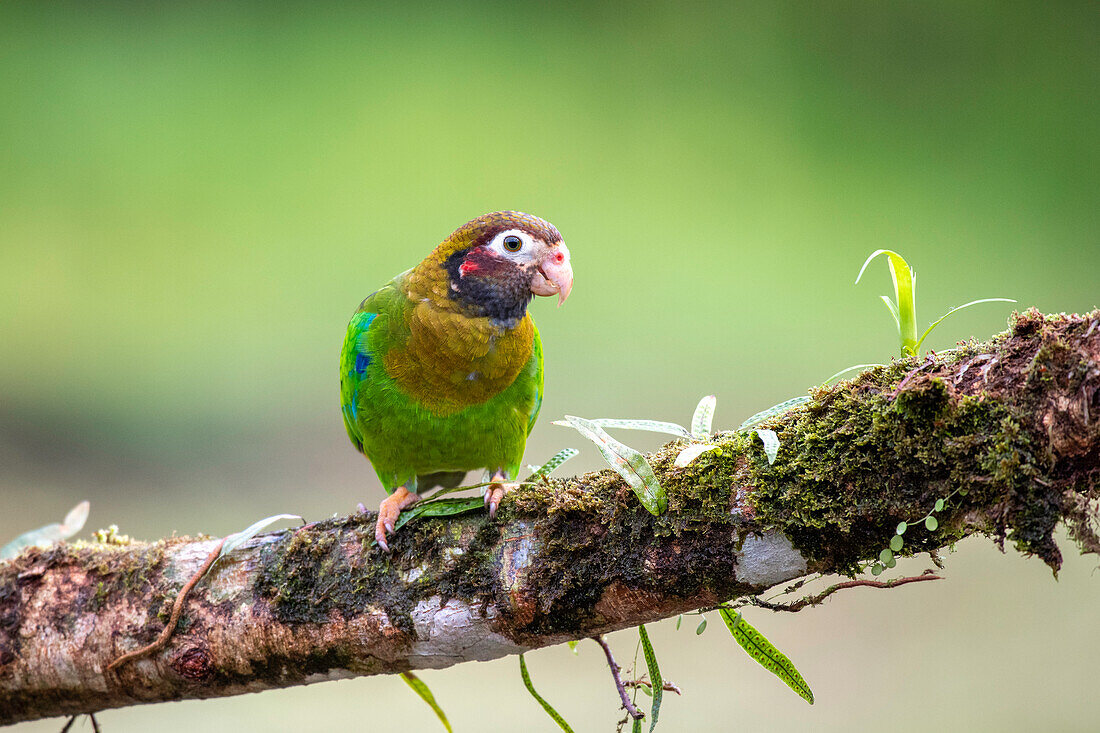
{"points": [[1009, 430]]}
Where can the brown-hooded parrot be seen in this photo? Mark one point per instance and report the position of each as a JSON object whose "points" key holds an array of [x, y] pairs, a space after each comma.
{"points": [[441, 370]]}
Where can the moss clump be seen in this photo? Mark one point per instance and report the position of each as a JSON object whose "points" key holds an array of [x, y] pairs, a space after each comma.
{"points": [[333, 567], [848, 475], [111, 536], [981, 423]]}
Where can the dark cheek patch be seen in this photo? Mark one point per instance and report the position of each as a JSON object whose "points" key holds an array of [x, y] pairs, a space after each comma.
{"points": [[494, 286], [483, 263]]}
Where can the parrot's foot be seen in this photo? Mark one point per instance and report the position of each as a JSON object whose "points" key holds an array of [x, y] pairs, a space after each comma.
{"points": [[496, 490], [388, 511]]}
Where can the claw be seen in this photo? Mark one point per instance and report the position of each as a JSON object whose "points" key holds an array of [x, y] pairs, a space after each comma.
{"points": [[495, 491], [388, 512]]}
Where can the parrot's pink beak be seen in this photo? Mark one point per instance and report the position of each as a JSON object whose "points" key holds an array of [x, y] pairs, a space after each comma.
{"points": [[555, 275]]}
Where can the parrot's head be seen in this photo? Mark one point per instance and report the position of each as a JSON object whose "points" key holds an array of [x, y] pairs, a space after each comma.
{"points": [[496, 263]]}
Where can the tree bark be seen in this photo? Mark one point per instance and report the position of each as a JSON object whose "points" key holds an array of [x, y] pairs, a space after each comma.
{"points": [[1008, 432]]}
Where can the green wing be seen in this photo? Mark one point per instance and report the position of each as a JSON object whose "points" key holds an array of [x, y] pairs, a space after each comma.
{"points": [[536, 357], [363, 349]]}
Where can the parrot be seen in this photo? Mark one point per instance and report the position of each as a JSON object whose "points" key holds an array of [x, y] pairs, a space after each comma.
{"points": [[441, 371]]}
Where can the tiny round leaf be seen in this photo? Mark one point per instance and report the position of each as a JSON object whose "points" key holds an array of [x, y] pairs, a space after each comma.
{"points": [[902, 527], [876, 569], [891, 562], [939, 505], [885, 557], [931, 523], [896, 542]]}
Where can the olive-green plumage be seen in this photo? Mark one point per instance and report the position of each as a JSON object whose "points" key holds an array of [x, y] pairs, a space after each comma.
{"points": [[441, 370]]}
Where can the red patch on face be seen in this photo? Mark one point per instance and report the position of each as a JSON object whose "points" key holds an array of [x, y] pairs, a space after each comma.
{"points": [[483, 263]]}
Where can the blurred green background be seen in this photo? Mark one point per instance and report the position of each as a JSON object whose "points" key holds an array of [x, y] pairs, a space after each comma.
{"points": [[194, 197]]}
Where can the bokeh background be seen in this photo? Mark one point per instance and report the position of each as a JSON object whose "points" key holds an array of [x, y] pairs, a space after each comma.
{"points": [[194, 197]]}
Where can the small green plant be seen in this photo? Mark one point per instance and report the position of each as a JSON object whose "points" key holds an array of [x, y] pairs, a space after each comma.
{"points": [[235, 540], [51, 533], [764, 652], [886, 558], [632, 465], [904, 306], [627, 462]]}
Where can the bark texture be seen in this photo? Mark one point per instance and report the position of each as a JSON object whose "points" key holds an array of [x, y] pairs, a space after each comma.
{"points": [[1007, 431]]}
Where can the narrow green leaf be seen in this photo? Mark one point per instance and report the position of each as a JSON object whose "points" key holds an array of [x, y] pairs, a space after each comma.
{"points": [[771, 443], [538, 698], [703, 417], [958, 308], [939, 505], [905, 293], [902, 527], [851, 369], [235, 540], [772, 411], [555, 461], [439, 508], [931, 523], [701, 627], [627, 462], [685, 457], [892, 308], [658, 684], [426, 695], [765, 653], [653, 426], [867, 261], [897, 542], [679, 620], [49, 534], [637, 726]]}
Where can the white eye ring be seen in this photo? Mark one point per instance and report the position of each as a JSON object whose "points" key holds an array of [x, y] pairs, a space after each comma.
{"points": [[511, 243]]}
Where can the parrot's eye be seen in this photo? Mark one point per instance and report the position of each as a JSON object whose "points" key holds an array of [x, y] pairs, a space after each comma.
{"points": [[512, 243]]}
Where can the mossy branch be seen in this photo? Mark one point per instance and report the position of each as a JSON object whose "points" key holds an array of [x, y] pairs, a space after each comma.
{"points": [[1010, 429]]}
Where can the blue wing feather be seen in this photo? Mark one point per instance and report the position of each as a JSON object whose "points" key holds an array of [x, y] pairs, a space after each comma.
{"points": [[355, 362]]}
